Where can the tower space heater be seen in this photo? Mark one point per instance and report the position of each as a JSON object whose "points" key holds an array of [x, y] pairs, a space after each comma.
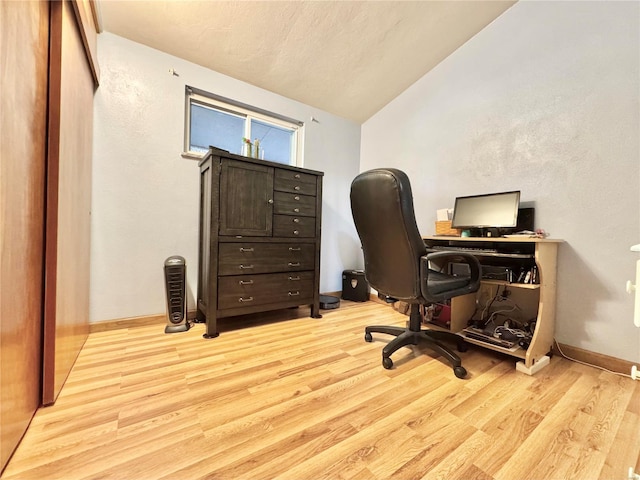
{"points": [[175, 276]]}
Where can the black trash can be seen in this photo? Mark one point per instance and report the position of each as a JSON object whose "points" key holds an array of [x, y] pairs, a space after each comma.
{"points": [[354, 286]]}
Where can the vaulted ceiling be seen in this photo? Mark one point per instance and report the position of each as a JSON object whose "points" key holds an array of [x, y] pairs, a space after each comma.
{"points": [[349, 58]]}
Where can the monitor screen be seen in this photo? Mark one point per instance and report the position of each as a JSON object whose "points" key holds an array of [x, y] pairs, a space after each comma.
{"points": [[495, 210]]}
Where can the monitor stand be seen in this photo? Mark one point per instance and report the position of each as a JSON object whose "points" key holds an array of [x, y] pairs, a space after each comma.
{"points": [[484, 232]]}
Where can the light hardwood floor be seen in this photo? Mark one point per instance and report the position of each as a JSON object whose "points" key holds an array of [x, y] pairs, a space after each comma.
{"points": [[300, 398]]}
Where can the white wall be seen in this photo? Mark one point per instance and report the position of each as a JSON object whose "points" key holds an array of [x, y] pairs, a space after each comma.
{"points": [[145, 195], [544, 100]]}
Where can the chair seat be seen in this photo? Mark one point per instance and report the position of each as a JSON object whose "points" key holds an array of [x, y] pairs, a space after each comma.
{"points": [[438, 282]]}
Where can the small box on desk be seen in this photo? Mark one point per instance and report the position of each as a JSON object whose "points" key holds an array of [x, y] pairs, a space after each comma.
{"points": [[444, 228], [354, 286]]}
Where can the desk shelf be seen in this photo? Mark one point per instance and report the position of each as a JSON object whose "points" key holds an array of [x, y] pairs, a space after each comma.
{"points": [[537, 301], [526, 286], [518, 352]]}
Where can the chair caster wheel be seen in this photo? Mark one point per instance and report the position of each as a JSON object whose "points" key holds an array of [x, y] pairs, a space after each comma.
{"points": [[462, 346], [387, 363], [460, 372], [368, 337]]}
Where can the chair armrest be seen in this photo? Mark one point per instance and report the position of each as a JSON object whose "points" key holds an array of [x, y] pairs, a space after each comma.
{"points": [[472, 285], [468, 258]]}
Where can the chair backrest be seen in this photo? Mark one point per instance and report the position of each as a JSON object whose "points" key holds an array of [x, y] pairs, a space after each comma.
{"points": [[382, 208]]}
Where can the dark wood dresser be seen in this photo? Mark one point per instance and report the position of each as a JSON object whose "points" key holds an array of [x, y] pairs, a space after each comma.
{"points": [[259, 245]]}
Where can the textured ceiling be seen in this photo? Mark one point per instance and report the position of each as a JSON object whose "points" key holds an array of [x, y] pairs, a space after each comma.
{"points": [[349, 58]]}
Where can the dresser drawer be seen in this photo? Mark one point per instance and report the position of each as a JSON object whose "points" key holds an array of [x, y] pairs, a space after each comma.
{"points": [[290, 226], [294, 182], [294, 204], [251, 258], [248, 290]]}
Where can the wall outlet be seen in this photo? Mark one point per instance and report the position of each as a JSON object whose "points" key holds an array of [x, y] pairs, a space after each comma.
{"points": [[635, 374]]}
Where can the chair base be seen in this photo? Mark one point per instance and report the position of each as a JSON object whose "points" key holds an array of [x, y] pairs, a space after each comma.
{"points": [[413, 335]]}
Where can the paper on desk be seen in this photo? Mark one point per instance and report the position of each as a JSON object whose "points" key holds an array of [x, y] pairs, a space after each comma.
{"points": [[444, 214]]}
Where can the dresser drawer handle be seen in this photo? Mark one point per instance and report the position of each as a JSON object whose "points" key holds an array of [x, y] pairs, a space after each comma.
{"points": [[294, 264], [296, 210], [293, 294], [242, 249], [297, 197], [245, 267], [296, 220], [296, 232], [297, 175], [297, 187], [248, 299], [246, 282], [294, 249], [294, 279]]}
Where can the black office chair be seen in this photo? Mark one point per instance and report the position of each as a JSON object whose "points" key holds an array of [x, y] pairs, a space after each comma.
{"points": [[397, 263]]}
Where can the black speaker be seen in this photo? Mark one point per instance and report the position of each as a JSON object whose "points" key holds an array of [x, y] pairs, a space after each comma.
{"points": [[491, 272], [526, 217], [175, 277], [459, 269]]}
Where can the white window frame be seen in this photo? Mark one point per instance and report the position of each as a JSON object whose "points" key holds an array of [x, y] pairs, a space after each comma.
{"points": [[209, 100]]}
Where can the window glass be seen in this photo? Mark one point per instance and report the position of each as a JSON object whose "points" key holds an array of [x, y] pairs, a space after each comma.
{"points": [[276, 143], [224, 123], [214, 127]]}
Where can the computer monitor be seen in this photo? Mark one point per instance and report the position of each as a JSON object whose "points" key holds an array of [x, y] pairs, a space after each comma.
{"points": [[494, 210]]}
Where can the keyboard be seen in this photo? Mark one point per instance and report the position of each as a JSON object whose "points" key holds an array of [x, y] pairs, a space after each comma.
{"points": [[482, 337], [475, 250], [481, 252]]}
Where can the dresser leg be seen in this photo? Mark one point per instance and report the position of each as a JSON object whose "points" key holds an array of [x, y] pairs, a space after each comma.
{"points": [[212, 328], [315, 311]]}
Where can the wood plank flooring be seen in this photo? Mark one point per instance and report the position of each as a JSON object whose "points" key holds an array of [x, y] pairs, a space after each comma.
{"points": [[283, 396]]}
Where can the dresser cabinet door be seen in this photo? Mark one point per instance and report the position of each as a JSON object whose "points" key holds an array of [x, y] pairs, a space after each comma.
{"points": [[246, 199]]}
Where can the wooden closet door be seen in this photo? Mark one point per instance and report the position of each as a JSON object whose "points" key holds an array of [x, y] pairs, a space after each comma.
{"points": [[24, 41], [71, 89]]}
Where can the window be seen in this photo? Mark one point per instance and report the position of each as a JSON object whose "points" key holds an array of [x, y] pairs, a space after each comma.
{"points": [[223, 123]]}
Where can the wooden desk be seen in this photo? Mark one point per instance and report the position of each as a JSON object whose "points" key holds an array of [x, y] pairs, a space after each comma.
{"points": [[535, 300]]}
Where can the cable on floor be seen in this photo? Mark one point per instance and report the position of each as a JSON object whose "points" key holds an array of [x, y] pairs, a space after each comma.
{"points": [[588, 364]]}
